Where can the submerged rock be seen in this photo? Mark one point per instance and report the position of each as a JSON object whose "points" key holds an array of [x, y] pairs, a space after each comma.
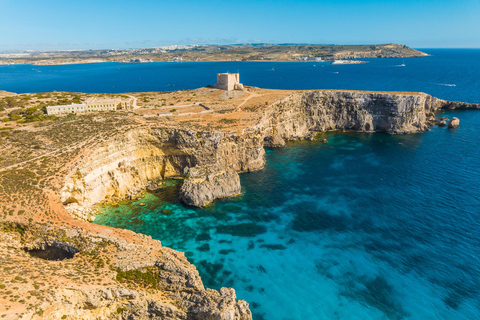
{"points": [[204, 184], [455, 122]]}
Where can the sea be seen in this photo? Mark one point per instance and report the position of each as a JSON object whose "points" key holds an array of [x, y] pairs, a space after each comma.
{"points": [[367, 226]]}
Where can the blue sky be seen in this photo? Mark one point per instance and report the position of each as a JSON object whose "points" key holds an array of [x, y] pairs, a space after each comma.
{"points": [[87, 24]]}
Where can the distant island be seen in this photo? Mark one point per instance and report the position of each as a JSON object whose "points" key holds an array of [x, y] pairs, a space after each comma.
{"points": [[198, 53]]}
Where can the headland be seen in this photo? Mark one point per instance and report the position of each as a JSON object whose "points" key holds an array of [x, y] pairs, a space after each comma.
{"points": [[55, 170]]}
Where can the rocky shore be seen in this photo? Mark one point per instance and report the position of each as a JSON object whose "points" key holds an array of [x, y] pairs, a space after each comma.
{"points": [[96, 272], [152, 281], [210, 161]]}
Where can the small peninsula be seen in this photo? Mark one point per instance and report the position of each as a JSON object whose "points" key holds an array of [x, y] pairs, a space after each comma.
{"points": [[55, 170], [237, 52]]}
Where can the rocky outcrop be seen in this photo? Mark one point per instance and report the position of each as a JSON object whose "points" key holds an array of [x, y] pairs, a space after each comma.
{"points": [[204, 184], [124, 165], [182, 283], [454, 122], [273, 141], [171, 287], [121, 167], [302, 114], [452, 105]]}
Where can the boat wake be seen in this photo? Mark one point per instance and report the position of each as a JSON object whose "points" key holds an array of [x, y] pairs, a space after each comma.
{"points": [[447, 84]]}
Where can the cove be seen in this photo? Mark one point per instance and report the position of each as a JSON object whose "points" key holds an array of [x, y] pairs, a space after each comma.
{"points": [[367, 226]]}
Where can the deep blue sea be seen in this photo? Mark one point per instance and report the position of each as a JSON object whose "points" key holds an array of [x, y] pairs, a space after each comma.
{"points": [[368, 226]]}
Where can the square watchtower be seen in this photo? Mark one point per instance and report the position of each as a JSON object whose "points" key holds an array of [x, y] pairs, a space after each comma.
{"points": [[228, 81]]}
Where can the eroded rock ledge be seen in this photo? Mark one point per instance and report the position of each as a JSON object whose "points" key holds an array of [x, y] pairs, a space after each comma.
{"points": [[143, 279], [127, 163]]}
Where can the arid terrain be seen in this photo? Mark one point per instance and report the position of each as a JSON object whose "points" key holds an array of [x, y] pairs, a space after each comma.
{"points": [[56, 264]]}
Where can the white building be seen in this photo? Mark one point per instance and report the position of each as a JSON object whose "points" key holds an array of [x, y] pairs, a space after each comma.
{"points": [[91, 105]]}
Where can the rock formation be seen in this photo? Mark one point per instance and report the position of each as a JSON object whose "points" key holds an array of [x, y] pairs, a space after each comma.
{"points": [[152, 281], [204, 184], [455, 122], [126, 164]]}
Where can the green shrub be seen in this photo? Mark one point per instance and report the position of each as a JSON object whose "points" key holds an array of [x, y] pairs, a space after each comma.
{"points": [[148, 277]]}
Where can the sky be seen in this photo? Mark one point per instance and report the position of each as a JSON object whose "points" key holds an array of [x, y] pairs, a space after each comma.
{"points": [[104, 24]]}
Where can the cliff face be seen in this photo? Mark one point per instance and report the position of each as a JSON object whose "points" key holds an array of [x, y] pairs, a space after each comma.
{"points": [[302, 114], [125, 164], [122, 166]]}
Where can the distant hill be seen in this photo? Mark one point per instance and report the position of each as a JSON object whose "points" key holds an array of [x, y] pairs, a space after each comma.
{"points": [[233, 52]]}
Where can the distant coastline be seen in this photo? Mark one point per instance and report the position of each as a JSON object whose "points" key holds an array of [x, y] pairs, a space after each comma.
{"points": [[211, 53]]}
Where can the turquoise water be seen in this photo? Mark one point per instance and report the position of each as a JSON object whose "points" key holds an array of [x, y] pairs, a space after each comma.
{"points": [[368, 226]]}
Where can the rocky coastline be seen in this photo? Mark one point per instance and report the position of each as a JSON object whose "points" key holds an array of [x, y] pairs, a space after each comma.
{"points": [[118, 274], [209, 161]]}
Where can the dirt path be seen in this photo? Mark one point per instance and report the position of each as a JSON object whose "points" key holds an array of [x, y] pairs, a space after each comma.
{"points": [[251, 95], [134, 102]]}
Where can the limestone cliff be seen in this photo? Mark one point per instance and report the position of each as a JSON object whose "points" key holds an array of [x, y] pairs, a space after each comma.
{"points": [[126, 163], [302, 114]]}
